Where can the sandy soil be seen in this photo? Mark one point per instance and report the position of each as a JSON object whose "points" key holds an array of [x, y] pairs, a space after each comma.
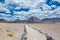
{"points": [[17, 30]]}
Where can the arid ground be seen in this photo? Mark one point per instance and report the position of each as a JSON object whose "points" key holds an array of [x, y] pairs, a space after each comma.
{"points": [[14, 31]]}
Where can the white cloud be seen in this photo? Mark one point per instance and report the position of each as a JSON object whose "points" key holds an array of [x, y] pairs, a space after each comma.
{"points": [[2, 14], [34, 10], [22, 15], [53, 6], [13, 18], [46, 7]]}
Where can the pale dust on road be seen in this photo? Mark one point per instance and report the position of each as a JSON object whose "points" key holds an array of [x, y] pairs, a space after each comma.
{"points": [[33, 34]]}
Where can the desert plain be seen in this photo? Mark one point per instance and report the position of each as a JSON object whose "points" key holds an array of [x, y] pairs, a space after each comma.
{"points": [[14, 31]]}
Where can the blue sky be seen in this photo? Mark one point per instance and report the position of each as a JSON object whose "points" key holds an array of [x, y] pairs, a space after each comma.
{"points": [[40, 8]]}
